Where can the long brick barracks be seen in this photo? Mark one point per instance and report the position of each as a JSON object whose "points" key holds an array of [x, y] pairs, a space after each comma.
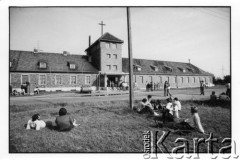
{"points": [[101, 67]]}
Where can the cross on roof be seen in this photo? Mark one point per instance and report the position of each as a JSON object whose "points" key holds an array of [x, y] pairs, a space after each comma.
{"points": [[102, 26]]}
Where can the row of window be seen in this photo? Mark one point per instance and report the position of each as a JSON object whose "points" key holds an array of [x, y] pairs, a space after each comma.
{"points": [[111, 45], [58, 79], [114, 55], [195, 79], [44, 65], [112, 68]]}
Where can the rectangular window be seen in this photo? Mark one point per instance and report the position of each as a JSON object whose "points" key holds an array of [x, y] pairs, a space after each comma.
{"points": [[150, 77], [109, 67], [58, 79], [182, 79], [114, 46], [25, 79], [72, 66], [107, 45], [115, 56], [42, 65], [73, 80], [114, 67], [42, 79], [188, 80], [109, 55], [175, 79], [87, 79], [160, 79], [168, 79]]}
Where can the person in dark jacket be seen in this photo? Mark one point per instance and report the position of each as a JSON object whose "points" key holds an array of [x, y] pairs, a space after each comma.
{"points": [[65, 122]]}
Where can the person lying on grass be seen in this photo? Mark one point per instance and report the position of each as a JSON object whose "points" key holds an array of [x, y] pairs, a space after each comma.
{"points": [[35, 123], [144, 106], [64, 122]]}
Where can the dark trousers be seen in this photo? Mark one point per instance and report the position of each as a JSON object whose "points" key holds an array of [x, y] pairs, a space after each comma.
{"points": [[201, 90]]}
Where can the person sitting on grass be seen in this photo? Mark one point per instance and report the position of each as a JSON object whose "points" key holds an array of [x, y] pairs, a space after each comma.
{"points": [[196, 120], [176, 107], [224, 97], [64, 122], [144, 107], [35, 123], [213, 97]]}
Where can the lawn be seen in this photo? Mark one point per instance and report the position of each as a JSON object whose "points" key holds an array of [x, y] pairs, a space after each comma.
{"points": [[108, 126]]}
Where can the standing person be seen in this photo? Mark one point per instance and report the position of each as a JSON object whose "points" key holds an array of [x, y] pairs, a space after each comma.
{"points": [[201, 88], [146, 85], [228, 92], [64, 122], [165, 88], [168, 89]]}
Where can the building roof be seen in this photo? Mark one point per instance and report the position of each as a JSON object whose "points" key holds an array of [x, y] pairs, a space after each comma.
{"points": [[27, 61], [106, 37], [163, 67]]}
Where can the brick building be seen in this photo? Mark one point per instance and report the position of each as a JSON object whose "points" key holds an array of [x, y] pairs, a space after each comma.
{"points": [[102, 66]]}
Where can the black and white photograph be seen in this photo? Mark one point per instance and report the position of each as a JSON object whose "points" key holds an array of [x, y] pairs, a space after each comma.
{"points": [[150, 80]]}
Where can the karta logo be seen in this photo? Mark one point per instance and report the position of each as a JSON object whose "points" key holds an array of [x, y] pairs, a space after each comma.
{"points": [[153, 146]]}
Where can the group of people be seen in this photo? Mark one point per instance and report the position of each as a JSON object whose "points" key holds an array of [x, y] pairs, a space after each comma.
{"points": [[63, 122], [170, 112]]}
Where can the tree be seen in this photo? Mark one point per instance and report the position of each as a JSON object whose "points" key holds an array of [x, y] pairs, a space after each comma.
{"points": [[227, 79]]}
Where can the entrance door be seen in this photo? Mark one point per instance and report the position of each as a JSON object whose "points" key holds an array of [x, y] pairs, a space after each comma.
{"points": [[25, 79]]}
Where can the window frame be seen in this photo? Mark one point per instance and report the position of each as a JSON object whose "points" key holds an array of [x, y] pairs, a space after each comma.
{"points": [[86, 79], [72, 79], [39, 80], [42, 65], [71, 66], [56, 79]]}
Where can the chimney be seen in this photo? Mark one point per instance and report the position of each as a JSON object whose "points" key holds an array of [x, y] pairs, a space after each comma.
{"points": [[65, 53], [35, 50], [189, 61], [89, 41]]}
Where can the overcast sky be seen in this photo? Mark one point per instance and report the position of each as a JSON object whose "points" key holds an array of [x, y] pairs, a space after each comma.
{"points": [[159, 33]]}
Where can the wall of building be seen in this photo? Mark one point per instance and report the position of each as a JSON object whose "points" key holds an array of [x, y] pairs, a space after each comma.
{"points": [[105, 60], [175, 81], [50, 82], [95, 55]]}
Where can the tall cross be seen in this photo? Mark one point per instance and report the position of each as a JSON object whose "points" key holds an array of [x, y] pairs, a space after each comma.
{"points": [[102, 26]]}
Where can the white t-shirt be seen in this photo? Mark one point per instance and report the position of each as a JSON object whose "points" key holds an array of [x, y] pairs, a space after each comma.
{"points": [[38, 124], [169, 106], [177, 105]]}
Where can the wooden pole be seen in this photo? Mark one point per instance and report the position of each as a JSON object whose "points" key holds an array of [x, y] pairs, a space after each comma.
{"points": [[131, 94]]}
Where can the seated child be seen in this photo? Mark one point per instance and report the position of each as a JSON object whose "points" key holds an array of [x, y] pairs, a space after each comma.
{"points": [[35, 123], [176, 107], [213, 97], [64, 122], [144, 106], [168, 111]]}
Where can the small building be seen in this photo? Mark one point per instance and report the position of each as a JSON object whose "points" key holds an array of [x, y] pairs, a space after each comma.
{"points": [[102, 66]]}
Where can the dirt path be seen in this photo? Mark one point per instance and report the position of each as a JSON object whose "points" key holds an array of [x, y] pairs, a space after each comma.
{"points": [[182, 94]]}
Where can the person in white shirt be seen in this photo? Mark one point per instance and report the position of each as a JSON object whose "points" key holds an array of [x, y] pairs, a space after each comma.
{"points": [[196, 120], [35, 123], [176, 107]]}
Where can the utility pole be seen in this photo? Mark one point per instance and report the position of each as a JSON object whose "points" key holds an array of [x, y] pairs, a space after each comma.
{"points": [[102, 27], [131, 96]]}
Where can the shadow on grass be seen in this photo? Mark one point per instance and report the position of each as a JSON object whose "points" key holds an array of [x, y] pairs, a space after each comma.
{"points": [[209, 103]]}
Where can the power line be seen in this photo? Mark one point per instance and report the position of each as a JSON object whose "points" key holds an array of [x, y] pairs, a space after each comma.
{"points": [[209, 13]]}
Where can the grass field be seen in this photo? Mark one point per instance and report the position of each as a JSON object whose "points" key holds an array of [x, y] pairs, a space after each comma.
{"points": [[108, 126]]}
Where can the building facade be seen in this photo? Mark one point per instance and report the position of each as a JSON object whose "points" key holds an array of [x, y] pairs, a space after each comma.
{"points": [[102, 67]]}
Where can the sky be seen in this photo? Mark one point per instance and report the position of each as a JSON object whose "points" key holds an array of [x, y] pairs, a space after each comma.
{"points": [[201, 34]]}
